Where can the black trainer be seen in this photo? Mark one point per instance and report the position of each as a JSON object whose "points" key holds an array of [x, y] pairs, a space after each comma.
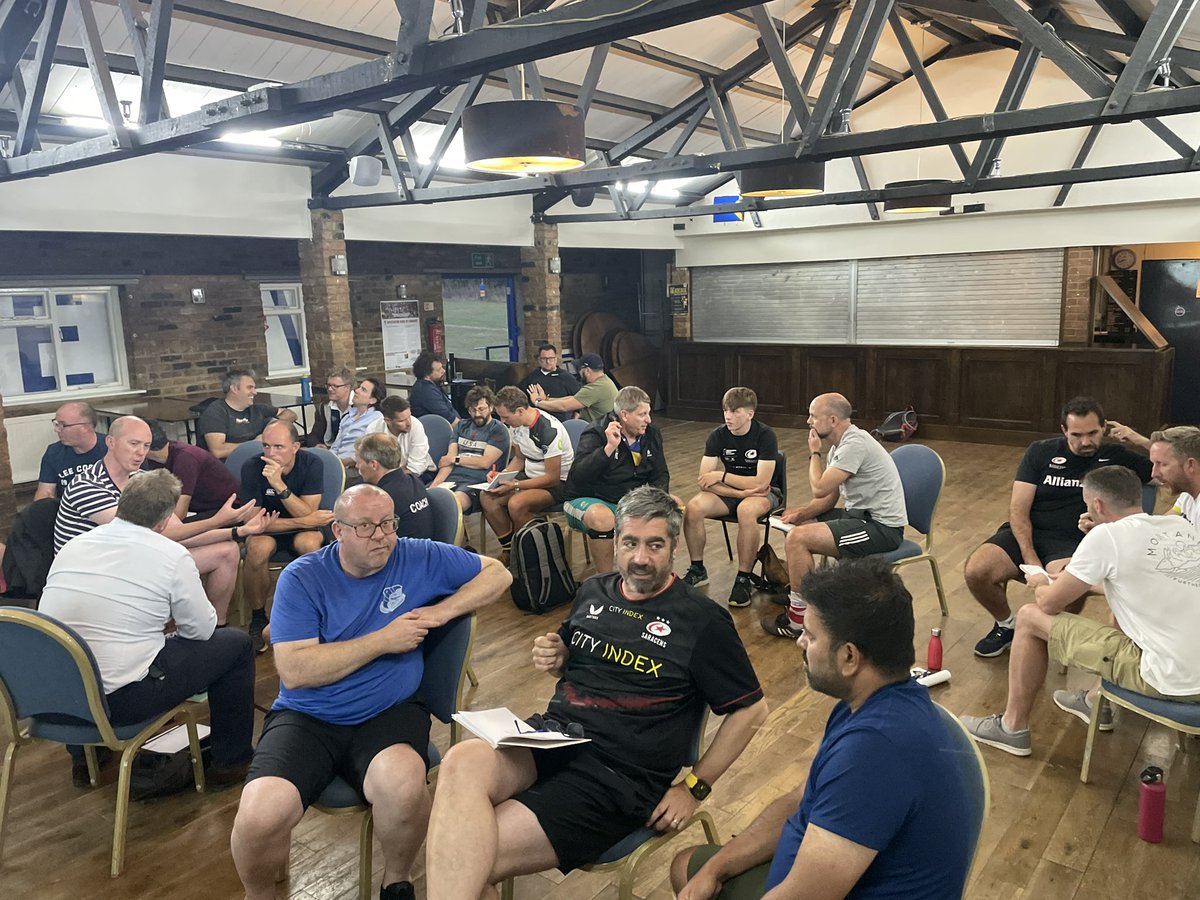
{"points": [[257, 641], [995, 642], [695, 575], [400, 890], [739, 595], [780, 626]]}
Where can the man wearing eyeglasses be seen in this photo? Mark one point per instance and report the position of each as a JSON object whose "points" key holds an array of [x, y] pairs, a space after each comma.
{"points": [[286, 481], [338, 387], [79, 445], [349, 625], [554, 381]]}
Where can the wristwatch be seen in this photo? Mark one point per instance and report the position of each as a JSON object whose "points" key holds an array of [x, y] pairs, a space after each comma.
{"points": [[284, 494], [698, 787]]}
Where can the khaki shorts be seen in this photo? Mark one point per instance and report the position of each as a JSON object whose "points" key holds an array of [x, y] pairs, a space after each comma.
{"points": [[1102, 649]]}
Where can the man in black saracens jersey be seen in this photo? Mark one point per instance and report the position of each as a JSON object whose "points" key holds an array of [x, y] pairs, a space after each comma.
{"points": [[638, 659], [1043, 527]]}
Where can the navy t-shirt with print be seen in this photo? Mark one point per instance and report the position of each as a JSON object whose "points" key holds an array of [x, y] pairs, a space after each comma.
{"points": [[60, 463]]}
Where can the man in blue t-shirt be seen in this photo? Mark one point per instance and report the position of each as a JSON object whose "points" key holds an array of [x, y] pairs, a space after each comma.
{"points": [[79, 445], [479, 443], [885, 811], [349, 621]]}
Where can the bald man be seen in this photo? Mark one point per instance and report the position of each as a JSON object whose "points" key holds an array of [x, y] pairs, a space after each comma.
{"points": [[91, 498], [873, 519]]}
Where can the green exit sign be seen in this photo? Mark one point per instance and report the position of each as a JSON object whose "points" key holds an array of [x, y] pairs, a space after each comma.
{"points": [[483, 260]]}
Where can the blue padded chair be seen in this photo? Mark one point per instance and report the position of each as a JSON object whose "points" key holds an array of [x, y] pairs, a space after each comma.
{"points": [[447, 516], [1183, 717], [974, 774], [779, 482], [242, 452], [922, 473], [439, 433], [1149, 498], [447, 650], [575, 429], [629, 852], [49, 677]]}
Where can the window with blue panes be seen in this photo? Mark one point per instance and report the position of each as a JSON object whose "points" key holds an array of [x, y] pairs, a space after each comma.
{"points": [[283, 310], [55, 342]]}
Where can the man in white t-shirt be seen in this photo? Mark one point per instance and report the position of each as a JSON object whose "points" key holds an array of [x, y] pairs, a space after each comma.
{"points": [[1149, 567], [401, 424], [1175, 455]]}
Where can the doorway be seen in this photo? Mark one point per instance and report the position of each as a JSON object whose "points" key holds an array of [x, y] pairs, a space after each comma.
{"points": [[481, 316], [1170, 298]]}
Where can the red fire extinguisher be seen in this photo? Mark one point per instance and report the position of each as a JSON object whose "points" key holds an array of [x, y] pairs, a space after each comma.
{"points": [[435, 331]]}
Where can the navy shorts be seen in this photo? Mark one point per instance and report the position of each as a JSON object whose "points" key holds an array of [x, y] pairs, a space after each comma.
{"points": [[309, 752], [860, 535], [1048, 545]]}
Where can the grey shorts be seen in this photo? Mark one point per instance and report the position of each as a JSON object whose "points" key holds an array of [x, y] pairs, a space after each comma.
{"points": [[774, 497]]}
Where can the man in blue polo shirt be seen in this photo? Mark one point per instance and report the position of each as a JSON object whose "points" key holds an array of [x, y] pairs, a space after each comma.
{"points": [[79, 445], [349, 621], [885, 811]]}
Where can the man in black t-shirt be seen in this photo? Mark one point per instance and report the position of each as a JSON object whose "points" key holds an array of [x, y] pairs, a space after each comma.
{"points": [[638, 659], [736, 476], [235, 418], [287, 482], [381, 463], [554, 380], [1043, 520]]}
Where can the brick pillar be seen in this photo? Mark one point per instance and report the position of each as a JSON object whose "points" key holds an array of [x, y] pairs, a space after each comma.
{"points": [[1079, 264], [8, 503], [541, 292], [326, 296]]}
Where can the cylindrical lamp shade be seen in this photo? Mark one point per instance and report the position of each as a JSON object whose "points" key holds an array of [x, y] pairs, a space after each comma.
{"points": [[516, 137], [935, 200], [787, 179]]}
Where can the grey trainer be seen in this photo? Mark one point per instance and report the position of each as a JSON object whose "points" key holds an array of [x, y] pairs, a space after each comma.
{"points": [[1075, 702], [989, 730]]}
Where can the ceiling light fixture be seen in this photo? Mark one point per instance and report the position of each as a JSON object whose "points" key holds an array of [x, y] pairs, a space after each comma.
{"points": [[935, 199], [524, 137], [791, 178]]}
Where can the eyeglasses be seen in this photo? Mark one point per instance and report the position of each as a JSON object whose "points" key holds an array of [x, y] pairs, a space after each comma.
{"points": [[59, 426], [335, 387], [539, 724], [366, 530]]}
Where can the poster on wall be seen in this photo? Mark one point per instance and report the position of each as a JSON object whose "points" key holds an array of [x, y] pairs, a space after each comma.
{"points": [[401, 328], [678, 295]]}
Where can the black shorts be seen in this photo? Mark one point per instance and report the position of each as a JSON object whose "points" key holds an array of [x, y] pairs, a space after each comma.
{"points": [[558, 492], [775, 498], [285, 541], [309, 752], [857, 534], [583, 806], [1048, 545]]}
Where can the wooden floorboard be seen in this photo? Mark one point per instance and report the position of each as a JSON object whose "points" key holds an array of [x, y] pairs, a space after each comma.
{"points": [[1048, 835]]}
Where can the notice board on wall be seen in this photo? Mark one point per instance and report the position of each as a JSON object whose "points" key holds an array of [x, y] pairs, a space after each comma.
{"points": [[401, 328]]}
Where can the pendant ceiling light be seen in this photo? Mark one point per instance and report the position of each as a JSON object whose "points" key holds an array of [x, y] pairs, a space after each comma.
{"points": [[936, 200], [518, 137], [791, 178]]}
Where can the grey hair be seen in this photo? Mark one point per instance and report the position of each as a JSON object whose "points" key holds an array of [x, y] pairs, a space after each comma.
{"points": [[381, 448], [149, 498], [630, 398], [1184, 441], [649, 502], [234, 377]]}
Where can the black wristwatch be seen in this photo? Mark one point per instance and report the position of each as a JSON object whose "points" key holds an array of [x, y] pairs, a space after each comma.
{"points": [[284, 494], [698, 787]]}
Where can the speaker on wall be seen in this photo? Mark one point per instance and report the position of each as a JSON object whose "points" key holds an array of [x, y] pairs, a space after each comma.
{"points": [[365, 171]]}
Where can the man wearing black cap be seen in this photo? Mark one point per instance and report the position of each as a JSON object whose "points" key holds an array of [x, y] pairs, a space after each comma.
{"points": [[593, 401]]}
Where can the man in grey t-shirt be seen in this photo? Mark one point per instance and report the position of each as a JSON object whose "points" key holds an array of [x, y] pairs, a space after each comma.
{"points": [[872, 520]]}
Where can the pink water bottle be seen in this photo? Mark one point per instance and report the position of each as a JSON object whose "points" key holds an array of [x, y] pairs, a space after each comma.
{"points": [[933, 657], [1152, 806]]}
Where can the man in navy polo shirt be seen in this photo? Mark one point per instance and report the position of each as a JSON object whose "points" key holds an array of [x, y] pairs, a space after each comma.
{"points": [[885, 811], [79, 444], [348, 627]]}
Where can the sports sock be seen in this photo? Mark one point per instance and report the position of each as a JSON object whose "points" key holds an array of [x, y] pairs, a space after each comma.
{"points": [[745, 576], [698, 564], [1010, 622], [506, 540], [796, 608]]}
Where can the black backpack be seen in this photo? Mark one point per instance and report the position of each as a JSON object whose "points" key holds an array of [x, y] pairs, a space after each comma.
{"points": [[542, 577]]}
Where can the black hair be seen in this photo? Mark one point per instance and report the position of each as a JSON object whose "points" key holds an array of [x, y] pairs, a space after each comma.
{"points": [[1081, 406]]}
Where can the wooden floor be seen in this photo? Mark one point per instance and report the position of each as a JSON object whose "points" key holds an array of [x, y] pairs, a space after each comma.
{"points": [[1048, 836]]}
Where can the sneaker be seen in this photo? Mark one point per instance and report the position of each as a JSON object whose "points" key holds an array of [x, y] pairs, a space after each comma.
{"points": [[780, 626], [739, 595], [257, 640], [695, 575], [217, 778], [989, 730], [400, 890], [1075, 702], [995, 642]]}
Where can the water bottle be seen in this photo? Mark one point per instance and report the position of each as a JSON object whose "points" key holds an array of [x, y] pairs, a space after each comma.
{"points": [[933, 657], [1152, 805], [306, 389]]}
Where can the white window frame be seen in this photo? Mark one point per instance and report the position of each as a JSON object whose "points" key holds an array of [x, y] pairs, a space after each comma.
{"points": [[278, 312], [116, 336]]}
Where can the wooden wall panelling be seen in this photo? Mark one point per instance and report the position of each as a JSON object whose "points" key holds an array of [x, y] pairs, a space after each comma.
{"points": [[910, 376], [768, 371], [1005, 389], [827, 369], [1121, 381]]}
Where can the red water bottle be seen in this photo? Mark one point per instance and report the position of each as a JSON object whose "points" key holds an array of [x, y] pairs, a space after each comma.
{"points": [[933, 657], [1152, 806]]}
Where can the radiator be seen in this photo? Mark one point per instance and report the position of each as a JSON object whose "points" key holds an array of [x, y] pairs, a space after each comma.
{"points": [[27, 440]]}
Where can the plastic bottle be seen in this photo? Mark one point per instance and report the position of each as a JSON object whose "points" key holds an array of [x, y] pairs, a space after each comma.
{"points": [[306, 389], [1152, 805], [933, 658]]}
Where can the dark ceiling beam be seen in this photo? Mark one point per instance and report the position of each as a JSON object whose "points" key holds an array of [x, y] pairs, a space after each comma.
{"points": [[1085, 149], [1060, 117], [1020, 76], [19, 22], [1156, 40], [773, 44], [102, 82], [1007, 183], [31, 106], [1085, 36], [158, 31]]}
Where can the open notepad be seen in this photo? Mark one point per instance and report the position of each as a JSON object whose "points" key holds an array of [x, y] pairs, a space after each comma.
{"points": [[779, 525], [501, 728], [501, 478]]}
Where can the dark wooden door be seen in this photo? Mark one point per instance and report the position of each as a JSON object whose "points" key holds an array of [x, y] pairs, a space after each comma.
{"points": [[1169, 300]]}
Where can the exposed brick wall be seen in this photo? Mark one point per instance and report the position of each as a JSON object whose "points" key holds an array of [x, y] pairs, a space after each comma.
{"points": [[1078, 267], [681, 326], [540, 292], [326, 296], [8, 502]]}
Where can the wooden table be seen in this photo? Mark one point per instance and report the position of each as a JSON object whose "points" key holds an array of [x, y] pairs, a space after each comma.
{"points": [[267, 398], [164, 409]]}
